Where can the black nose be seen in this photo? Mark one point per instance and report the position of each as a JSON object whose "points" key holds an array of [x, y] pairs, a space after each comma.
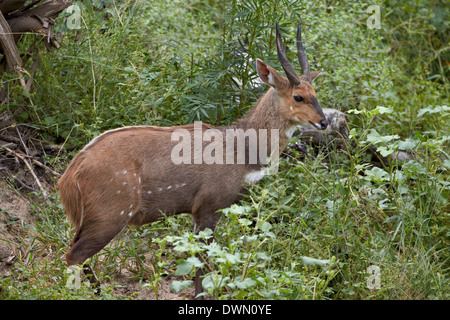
{"points": [[323, 124]]}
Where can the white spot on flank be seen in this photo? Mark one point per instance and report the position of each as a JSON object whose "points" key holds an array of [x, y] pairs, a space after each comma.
{"points": [[139, 191], [124, 171], [118, 191], [130, 214], [122, 212], [159, 189], [255, 176], [292, 109], [111, 179], [149, 192], [134, 174], [124, 183], [183, 184], [169, 187], [131, 206], [139, 180]]}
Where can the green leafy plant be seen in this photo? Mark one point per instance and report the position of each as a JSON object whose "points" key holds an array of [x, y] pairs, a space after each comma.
{"points": [[313, 230]]}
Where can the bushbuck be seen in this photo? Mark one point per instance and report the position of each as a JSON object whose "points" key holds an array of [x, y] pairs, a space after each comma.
{"points": [[129, 175]]}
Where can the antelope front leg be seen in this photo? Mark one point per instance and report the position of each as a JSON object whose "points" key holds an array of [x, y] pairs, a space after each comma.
{"points": [[198, 280], [90, 275], [202, 222]]}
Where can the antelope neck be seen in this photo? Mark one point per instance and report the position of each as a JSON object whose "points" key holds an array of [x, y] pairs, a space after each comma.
{"points": [[266, 115]]}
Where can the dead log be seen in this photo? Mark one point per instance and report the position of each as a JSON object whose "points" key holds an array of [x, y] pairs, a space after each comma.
{"points": [[7, 6], [335, 137], [16, 18], [8, 45], [38, 19]]}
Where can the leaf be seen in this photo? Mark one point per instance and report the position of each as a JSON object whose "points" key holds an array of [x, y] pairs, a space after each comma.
{"points": [[249, 238], [356, 111], [245, 222], [384, 151], [377, 174], [420, 136], [182, 246], [314, 262], [232, 258], [374, 137], [446, 164], [407, 144], [26, 93], [431, 109], [178, 286], [382, 110], [205, 234], [236, 209], [186, 266], [414, 167], [213, 280], [195, 262], [23, 116], [266, 226], [244, 284]]}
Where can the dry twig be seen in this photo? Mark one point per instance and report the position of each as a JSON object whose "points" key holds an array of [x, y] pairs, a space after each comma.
{"points": [[38, 182]]}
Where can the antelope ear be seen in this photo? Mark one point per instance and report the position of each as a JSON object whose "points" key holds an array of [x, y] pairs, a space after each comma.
{"points": [[269, 75], [315, 74]]}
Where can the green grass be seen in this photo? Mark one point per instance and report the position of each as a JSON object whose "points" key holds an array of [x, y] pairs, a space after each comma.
{"points": [[309, 232]]}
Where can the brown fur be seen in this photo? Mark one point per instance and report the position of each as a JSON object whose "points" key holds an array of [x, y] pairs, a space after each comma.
{"points": [[126, 176]]}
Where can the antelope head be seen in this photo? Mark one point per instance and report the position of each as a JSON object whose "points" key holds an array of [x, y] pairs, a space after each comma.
{"points": [[297, 95]]}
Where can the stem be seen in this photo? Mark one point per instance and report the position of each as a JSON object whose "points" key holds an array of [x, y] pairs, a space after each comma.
{"points": [[92, 67]]}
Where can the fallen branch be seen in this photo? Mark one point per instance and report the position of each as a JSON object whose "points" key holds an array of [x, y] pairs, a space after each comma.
{"points": [[24, 185], [40, 164], [336, 137], [36, 162], [23, 143], [38, 182], [10, 138]]}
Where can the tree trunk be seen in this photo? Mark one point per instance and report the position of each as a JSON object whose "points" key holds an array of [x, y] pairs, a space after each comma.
{"points": [[16, 18]]}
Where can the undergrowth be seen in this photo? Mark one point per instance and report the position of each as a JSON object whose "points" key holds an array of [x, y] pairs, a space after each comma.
{"points": [[313, 230]]}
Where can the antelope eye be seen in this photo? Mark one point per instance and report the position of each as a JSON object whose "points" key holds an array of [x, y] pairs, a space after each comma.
{"points": [[298, 98]]}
